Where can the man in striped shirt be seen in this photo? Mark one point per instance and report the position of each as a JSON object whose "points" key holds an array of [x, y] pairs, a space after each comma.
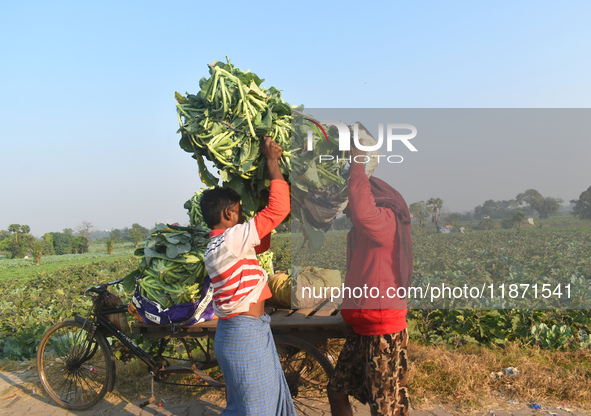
{"points": [[244, 346]]}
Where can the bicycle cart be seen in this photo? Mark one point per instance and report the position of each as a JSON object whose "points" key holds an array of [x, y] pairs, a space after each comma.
{"points": [[76, 364]]}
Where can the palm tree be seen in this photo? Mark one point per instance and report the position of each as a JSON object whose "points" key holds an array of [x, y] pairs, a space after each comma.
{"points": [[14, 228], [436, 204]]}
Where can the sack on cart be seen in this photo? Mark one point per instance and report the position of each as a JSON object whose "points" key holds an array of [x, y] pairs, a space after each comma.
{"points": [[150, 312]]}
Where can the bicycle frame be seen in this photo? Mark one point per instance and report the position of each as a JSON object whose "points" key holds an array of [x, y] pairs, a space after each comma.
{"points": [[102, 324], [62, 370]]}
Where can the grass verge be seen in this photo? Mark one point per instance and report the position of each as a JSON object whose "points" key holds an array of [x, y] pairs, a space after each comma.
{"points": [[467, 377], [458, 378]]}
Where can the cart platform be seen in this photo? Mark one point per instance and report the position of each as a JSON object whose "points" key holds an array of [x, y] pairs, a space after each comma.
{"points": [[315, 325]]}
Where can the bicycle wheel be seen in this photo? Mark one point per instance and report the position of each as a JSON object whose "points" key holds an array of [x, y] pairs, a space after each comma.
{"points": [[75, 369], [307, 372]]}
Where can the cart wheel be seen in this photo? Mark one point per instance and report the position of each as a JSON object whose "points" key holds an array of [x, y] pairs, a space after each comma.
{"points": [[307, 372], [75, 369], [332, 349], [178, 365]]}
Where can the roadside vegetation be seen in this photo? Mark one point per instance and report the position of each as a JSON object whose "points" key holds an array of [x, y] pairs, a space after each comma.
{"points": [[453, 352], [458, 356]]}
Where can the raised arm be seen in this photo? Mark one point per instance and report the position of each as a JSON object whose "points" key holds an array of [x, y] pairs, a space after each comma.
{"points": [[279, 203], [376, 222], [272, 153]]}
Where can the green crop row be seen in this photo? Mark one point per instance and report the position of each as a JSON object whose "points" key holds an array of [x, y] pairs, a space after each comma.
{"points": [[34, 297], [33, 302], [492, 257]]}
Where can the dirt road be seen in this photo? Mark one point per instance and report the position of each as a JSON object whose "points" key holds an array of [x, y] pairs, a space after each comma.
{"points": [[22, 394]]}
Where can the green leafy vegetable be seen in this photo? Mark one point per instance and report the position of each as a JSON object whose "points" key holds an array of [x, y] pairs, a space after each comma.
{"points": [[224, 123], [171, 269]]}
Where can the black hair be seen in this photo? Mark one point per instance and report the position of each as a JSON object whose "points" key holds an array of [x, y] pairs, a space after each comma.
{"points": [[214, 201]]}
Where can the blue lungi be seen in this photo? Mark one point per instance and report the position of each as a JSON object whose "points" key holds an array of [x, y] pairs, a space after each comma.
{"points": [[255, 383]]}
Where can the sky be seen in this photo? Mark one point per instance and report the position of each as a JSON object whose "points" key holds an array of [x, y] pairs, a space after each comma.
{"points": [[88, 125]]}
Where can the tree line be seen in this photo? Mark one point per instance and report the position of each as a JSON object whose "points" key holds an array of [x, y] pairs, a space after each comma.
{"points": [[511, 213], [136, 234], [18, 241], [492, 214]]}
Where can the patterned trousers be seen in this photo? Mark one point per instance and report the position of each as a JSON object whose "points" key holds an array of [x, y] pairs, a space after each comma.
{"points": [[373, 369]]}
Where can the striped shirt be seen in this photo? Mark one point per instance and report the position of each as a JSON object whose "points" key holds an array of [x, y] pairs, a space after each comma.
{"points": [[230, 259]]}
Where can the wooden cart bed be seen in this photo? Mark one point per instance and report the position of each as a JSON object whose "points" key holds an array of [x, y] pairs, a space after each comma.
{"points": [[315, 325]]}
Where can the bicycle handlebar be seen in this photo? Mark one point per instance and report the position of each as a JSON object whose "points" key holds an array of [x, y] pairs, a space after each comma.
{"points": [[102, 288]]}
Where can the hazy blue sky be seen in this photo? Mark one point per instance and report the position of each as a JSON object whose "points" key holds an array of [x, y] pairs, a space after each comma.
{"points": [[87, 113]]}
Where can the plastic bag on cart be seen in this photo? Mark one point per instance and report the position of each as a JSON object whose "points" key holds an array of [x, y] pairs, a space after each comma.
{"points": [[312, 286], [280, 286], [150, 312]]}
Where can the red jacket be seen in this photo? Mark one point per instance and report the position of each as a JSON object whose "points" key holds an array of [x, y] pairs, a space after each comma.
{"points": [[373, 261]]}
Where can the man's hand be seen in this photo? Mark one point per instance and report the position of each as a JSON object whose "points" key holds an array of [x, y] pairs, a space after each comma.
{"points": [[356, 152], [271, 150]]}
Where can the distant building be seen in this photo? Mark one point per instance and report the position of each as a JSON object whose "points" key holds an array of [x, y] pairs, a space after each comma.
{"points": [[446, 230]]}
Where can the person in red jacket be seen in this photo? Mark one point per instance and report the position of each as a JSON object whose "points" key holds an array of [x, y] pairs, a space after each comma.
{"points": [[372, 366]]}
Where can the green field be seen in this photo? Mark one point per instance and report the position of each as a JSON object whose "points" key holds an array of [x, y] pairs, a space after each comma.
{"points": [[34, 297], [452, 352], [545, 255]]}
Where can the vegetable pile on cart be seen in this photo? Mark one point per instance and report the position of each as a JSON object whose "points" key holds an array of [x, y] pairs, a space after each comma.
{"points": [[223, 124]]}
